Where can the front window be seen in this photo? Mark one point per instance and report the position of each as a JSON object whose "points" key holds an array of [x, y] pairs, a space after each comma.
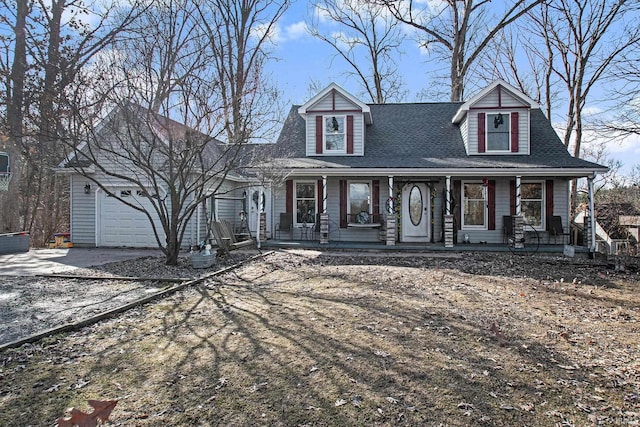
{"points": [[305, 202], [335, 137], [498, 132], [532, 203], [360, 202], [475, 205]]}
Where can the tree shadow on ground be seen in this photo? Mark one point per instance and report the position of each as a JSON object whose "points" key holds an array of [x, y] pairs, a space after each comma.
{"points": [[317, 343]]}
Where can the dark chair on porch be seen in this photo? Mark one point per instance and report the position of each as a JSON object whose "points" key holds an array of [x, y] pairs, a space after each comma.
{"points": [[507, 228], [285, 224], [554, 228]]}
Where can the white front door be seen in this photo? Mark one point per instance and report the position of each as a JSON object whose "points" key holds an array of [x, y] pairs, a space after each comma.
{"points": [[416, 213], [255, 204]]}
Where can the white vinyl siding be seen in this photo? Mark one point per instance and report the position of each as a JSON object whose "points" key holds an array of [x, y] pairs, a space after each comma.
{"points": [[343, 107], [83, 212], [505, 99], [503, 207], [464, 131], [327, 103]]}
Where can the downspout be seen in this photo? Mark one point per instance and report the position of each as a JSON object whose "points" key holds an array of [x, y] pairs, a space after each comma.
{"points": [[592, 220], [199, 212], [258, 211]]}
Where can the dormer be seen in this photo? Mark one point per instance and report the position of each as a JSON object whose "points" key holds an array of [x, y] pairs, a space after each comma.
{"points": [[335, 123], [496, 121]]}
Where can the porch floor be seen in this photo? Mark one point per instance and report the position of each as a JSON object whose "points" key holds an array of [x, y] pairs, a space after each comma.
{"points": [[409, 247]]}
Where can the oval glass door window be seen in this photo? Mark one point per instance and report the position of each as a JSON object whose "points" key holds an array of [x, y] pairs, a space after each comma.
{"points": [[415, 205]]}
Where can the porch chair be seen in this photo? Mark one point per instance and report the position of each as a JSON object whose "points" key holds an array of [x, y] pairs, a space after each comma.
{"points": [[285, 224], [554, 228], [315, 232], [225, 237]]}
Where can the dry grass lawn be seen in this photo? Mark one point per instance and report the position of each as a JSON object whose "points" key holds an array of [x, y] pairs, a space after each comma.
{"points": [[305, 339]]}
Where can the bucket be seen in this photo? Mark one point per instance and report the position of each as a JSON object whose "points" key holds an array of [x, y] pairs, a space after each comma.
{"points": [[201, 260]]}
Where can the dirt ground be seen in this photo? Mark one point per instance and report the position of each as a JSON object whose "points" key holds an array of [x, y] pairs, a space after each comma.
{"points": [[311, 339]]}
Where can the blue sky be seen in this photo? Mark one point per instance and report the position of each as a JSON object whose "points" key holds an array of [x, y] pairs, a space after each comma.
{"points": [[302, 59]]}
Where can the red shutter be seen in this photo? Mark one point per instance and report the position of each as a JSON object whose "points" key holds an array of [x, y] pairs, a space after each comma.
{"points": [[549, 198], [343, 203], [318, 134], [320, 197], [375, 202], [457, 200], [289, 196], [512, 197], [481, 133], [515, 134], [491, 200], [349, 134]]}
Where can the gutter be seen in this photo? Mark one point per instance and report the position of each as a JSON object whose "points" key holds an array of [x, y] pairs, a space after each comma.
{"points": [[556, 172]]}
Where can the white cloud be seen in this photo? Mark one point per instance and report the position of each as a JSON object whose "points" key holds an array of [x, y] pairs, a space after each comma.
{"points": [[592, 111], [295, 31], [260, 31], [279, 34]]}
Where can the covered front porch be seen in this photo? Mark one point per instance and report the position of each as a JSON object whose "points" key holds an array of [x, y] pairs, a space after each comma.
{"points": [[465, 212]]}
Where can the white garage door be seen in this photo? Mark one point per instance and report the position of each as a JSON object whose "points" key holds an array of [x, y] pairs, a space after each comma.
{"points": [[121, 225]]}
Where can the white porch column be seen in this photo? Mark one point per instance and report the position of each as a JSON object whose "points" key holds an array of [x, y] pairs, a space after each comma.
{"points": [[518, 220], [390, 226], [518, 206], [592, 220], [324, 216], [324, 193], [448, 217], [259, 217], [447, 206]]}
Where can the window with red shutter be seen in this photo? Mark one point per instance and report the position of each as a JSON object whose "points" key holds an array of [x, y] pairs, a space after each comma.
{"points": [[515, 132]]}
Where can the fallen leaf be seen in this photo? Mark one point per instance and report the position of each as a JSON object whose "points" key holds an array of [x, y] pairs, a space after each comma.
{"points": [[340, 402], [101, 411], [502, 339], [527, 407]]}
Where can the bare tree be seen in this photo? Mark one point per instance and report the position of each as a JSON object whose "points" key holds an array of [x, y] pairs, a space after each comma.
{"points": [[457, 31], [572, 48], [51, 42], [238, 33], [583, 40], [186, 77], [627, 73], [369, 42]]}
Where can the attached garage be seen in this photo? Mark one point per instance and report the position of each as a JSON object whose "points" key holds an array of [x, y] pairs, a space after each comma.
{"points": [[119, 225]]}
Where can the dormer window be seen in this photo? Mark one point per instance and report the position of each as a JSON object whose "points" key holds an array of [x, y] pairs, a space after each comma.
{"points": [[498, 132], [335, 135]]}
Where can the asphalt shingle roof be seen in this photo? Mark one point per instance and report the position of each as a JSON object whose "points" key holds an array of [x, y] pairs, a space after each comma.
{"points": [[421, 135]]}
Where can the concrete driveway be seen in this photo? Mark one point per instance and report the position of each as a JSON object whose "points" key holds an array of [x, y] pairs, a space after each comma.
{"points": [[50, 261]]}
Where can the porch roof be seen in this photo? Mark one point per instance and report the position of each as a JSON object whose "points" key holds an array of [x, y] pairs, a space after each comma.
{"points": [[421, 136]]}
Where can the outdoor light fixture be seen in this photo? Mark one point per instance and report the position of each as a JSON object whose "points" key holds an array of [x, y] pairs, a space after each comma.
{"points": [[87, 188]]}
